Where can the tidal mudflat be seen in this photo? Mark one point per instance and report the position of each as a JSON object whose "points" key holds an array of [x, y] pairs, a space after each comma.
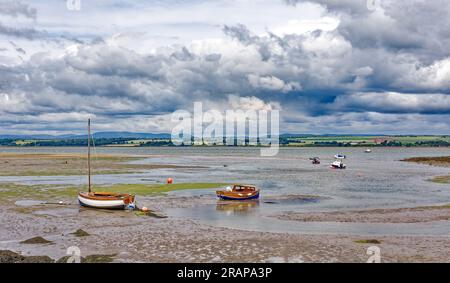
{"points": [[306, 213]]}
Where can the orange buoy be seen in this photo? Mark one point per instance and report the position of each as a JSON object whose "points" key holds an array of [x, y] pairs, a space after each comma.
{"points": [[145, 209], [169, 180]]}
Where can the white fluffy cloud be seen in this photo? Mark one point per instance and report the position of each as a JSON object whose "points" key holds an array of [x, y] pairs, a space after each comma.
{"points": [[314, 59]]}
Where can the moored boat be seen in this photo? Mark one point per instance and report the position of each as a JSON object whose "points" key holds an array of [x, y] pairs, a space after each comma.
{"points": [[338, 164], [340, 156], [239, 192], [315, 160], [368, 150], [103, 200]]}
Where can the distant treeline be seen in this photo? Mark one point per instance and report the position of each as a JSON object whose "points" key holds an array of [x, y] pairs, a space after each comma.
{"points": [[284, 141], [382, 144], [81, 142], [419, 143]]}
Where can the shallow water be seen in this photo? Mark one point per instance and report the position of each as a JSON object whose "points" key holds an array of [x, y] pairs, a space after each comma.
{"points": [[375, 180]]}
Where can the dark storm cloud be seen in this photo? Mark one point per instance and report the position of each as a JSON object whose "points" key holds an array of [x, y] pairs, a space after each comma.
{"points": [[388, 64], [394, 103], [16, 9], [27, 33]]}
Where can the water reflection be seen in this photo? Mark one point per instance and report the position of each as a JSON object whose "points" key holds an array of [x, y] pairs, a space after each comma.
{"points": [[237, 207]]}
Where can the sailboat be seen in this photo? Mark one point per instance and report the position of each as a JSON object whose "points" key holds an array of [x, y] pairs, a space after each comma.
{"points": [[104, 200]]}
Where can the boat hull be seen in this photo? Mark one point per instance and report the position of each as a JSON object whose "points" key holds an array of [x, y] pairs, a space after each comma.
{"points": [[232, 196], [119, 203], [338, 167]]}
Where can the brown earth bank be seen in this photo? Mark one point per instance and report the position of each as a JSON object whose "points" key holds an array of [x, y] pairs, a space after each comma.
{"points": [[443, 161]]}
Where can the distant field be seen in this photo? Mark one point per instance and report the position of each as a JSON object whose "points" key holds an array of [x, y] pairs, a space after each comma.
{"points": [[368, 141]]}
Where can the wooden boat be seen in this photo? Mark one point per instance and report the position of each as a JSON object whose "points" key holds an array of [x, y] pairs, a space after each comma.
{"points": [[239, 192], [104, 200]]}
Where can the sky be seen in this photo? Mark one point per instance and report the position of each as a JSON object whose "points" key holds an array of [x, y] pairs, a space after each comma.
{"points": [[328, 66]]}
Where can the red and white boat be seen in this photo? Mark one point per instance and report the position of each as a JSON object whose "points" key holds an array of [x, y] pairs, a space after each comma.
{"points": [[338, 164]]}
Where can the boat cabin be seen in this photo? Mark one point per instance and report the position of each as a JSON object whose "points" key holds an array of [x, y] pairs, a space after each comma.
{"points": [[242, 188]]}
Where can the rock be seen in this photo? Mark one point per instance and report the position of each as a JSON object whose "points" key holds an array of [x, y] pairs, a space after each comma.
{"points": [[12, 257], [99, 258], [38, 259], [65, 258], [36, 241], [80, 233], [91, 259]]}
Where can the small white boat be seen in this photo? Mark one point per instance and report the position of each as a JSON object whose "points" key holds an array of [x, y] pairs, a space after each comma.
{"points": [[368, 151], [340, 156], [338, 164]]}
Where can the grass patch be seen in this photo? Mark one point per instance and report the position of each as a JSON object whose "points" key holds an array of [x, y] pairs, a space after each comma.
{"points": [[441, 179], [13, 192], [370, 241], [155, 189]]}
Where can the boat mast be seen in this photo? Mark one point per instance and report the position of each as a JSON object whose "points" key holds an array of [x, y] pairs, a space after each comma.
{"points": [[89, 154]]}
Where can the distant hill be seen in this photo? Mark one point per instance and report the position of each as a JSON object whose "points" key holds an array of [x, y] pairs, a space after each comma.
{"points": [[98, 135]]}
